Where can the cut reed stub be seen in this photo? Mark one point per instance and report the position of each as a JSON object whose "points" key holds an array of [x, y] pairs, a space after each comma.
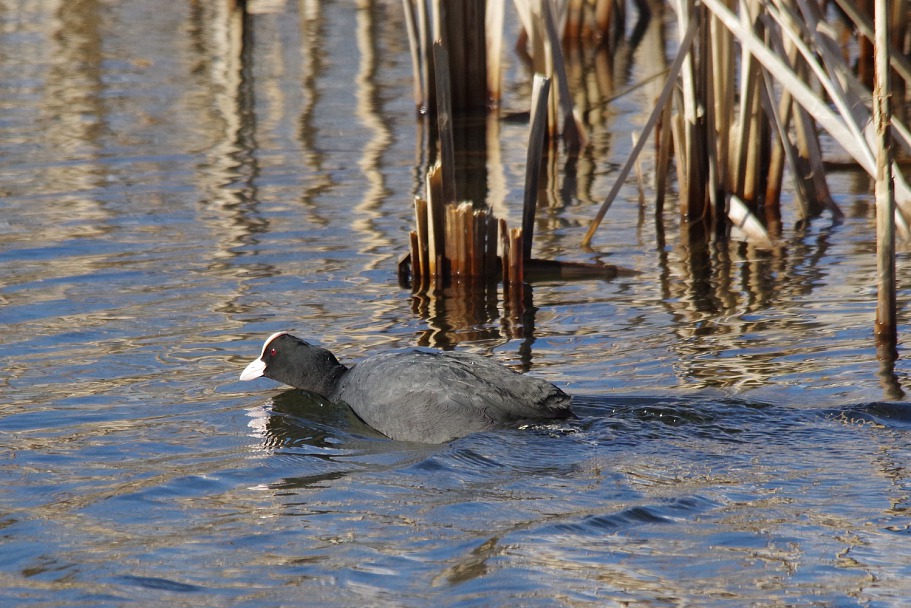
{"points": [[471, 239]]}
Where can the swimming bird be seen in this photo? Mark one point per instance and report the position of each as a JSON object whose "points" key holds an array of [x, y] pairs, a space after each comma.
{"points": [[416, 394]]}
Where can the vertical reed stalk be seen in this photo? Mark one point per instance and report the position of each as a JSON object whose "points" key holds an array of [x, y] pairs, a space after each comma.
{"points": [[743, 140], [494, 35], [572, 131], [536, 140], [706, 76], [436, 237], [414, 43], [885, 326], [663, 160], [722, 76], [444, 121], [516, 259], [419, 241], [505, 253]]}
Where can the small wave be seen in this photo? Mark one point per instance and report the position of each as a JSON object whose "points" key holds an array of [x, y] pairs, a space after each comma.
{"points": [[887, 413], [160, 584], [636, 418], [665, 512]]}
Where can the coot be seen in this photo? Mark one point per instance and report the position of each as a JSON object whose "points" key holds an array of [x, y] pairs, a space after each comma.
{"points": [[414, 395]]}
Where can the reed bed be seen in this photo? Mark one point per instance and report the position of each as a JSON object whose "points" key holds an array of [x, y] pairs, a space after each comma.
{"points": [[731, 151], [752, 87]]}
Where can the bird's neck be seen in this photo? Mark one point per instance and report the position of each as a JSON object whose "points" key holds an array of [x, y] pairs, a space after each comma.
{"points": [[323, 373]]}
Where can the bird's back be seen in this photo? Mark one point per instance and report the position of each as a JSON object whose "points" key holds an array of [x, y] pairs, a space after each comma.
{"points": [[430, 396]]}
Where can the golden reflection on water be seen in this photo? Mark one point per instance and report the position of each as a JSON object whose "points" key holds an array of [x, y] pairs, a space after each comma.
{"points": [[370, 112], [259, 152]]}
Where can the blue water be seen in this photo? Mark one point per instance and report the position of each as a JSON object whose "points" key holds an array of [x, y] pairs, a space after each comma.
{"points": [[169, 200]]}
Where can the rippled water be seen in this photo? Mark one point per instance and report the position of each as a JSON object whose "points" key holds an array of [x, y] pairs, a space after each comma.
{"points": [[170, 197]]}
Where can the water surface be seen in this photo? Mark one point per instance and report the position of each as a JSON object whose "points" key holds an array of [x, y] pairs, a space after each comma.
{"points": [[171, 196]]}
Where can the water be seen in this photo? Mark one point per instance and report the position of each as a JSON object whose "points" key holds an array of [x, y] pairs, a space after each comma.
{"points": [[168, 201]]}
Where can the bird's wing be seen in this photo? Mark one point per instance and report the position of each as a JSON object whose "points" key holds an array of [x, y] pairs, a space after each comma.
{"points": [[436, 397]]}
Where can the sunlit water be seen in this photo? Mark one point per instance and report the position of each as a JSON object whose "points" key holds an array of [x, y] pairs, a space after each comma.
{"points": [[169, 200]]}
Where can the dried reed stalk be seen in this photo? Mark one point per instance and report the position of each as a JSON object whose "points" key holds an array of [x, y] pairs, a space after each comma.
{"points": [[783, 151], [516, 259], [414, 44], [463, 31], [723, 95], [897, 60], [640, 180], [417, 272], [693, 141], [885, 324], [444, 121], [573, 132], [436, 239], [663, 159], [494, 36], [541, 20], [706, 75], [834, 124], [420, 39], [462, 26], [537, 137], [663, 98], [505, 253], [782, 148], [419, 241]]}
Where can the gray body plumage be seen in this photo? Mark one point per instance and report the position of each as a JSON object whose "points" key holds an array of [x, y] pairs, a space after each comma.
{"points": [[434, 397], [414, 395]]}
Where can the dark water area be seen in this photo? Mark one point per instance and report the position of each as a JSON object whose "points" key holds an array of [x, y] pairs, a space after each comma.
{"points": [[171, 194]]}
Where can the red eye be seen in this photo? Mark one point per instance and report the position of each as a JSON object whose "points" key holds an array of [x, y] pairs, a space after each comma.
{"points": [[272, 352]]}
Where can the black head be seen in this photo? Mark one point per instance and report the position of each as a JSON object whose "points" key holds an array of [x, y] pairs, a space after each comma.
{"points": [[294, 362]]}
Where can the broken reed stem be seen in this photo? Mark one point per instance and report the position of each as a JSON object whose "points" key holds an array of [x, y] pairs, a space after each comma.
{"points": [[716, 154], [454, 238], [897, 60], [471, 235], [491, 260], [516, 259], [588, 18], [680, 157], [436, 238], [416, 270], [420, 238], [503, 233], [545, 48], [474, 238]]}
